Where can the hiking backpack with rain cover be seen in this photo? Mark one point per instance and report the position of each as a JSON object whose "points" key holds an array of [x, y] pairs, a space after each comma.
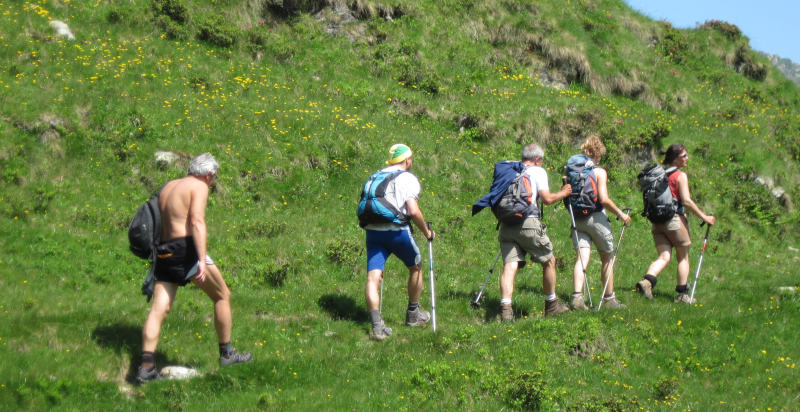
{"points": [[517, 202], [659, 203], [580, 175], [374, 206]]}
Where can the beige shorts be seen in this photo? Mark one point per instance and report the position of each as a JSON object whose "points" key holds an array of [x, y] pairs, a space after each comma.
{"points": [[673, 233], [594, 228], [530, 237]]}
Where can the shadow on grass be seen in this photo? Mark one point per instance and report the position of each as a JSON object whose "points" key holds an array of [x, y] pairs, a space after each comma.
{"points": [[125, 338], [343, 307]]}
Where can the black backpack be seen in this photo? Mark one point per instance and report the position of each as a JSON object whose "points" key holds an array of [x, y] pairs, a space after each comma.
{"points": [[144, 232], [515, 205], [659, 204], [580, 175]]}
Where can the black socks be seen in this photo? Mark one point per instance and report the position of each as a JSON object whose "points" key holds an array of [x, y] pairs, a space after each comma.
{"points": [[652, 279], [413, 306], [225, 349], [148, 360], [682, 288]]}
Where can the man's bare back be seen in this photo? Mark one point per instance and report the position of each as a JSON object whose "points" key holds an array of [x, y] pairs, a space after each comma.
{"points": [[176, 201], [182, 203]]}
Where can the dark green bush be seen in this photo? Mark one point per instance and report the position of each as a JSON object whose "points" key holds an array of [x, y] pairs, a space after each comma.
{"points": [[529, 391], [215, 29], [174, 9], [172, 29]]}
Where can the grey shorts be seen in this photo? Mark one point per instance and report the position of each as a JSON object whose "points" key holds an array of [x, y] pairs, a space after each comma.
{"points": [[595, 228], [530, 237]]}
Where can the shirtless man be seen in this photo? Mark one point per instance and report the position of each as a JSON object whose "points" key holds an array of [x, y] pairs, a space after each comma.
{"points": [[182, 203]]}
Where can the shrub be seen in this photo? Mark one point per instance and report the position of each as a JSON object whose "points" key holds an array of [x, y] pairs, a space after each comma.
{"points": [[174, 9], [215, 29], [665, 387], [343, 251], [529, 391], [673, 46], [173, 29], [731, 31]]}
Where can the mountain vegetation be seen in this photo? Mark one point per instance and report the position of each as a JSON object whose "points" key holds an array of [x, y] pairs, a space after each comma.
{"points": [[300, 100]]}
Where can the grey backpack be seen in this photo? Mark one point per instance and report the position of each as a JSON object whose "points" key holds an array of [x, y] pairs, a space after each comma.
{"points": [[659, 204]]}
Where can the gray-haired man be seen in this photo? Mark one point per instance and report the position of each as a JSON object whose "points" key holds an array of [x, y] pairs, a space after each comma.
{"points": [[181, 257]]}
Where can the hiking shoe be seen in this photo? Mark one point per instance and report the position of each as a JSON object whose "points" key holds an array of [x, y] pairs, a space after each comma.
{"points": [[577, 302], [234, 357], [645, 288], [381, 332], [506, 313], [613, 303], [144, 375], [417, 317], [552, 308], [684, 298]]}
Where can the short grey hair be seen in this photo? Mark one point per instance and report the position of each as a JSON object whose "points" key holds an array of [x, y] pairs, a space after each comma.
{"points": [[532, 152], [202, 165]]}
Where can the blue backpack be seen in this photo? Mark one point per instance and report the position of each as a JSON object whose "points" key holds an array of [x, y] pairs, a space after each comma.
{"points": [[374, 207], [580, 175]]}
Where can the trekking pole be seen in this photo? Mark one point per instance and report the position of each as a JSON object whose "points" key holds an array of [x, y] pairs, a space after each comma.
{"points": [[433, 294], [574, 231], [699, 261], [613, 260], [477, 301]]}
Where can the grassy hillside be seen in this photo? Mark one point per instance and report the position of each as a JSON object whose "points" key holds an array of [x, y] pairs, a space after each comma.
{"points": [[299, 100]]}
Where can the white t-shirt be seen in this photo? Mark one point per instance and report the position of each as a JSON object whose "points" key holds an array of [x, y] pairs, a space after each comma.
{"points": [[538, 178], [404, 187]]}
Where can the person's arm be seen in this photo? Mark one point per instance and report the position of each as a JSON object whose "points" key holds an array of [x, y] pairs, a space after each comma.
{"points": [[416, 216], [198, 197], [604, 199], [683, 189]]}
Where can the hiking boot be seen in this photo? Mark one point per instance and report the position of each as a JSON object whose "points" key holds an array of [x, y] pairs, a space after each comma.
{"points": [[144, 375], [578, 302], [645, 288], [613, 303], [506, 313], [552, 308], [684, 298], [381, 332], [417, 317], [234, 357]]}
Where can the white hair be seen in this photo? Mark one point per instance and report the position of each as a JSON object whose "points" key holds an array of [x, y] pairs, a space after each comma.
{"points": [[532, 152], [202, 165]]}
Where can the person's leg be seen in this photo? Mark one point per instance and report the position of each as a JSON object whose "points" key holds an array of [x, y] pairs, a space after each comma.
{"points": [[507, 280], [163, 296], [414, 283], [549, 277], [606, 273], [682, 255], [215, 287], [372, 289], [551, 305], [664, 255], [581, 263]]}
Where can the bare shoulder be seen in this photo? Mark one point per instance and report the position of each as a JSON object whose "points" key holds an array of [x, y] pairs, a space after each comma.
{"points": [[600, 172]]}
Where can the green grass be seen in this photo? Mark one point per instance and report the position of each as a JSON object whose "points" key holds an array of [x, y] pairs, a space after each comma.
{"points": [[298, 118]]}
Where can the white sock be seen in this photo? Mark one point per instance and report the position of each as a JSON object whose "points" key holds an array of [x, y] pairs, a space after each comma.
{"points": [[505, 301], [551, 298]]}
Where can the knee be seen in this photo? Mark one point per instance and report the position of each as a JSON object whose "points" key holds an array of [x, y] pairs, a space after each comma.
{"points": [[665, 256]]}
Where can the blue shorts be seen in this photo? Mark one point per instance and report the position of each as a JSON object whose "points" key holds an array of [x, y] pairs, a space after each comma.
{"points": [[382, 243]]}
